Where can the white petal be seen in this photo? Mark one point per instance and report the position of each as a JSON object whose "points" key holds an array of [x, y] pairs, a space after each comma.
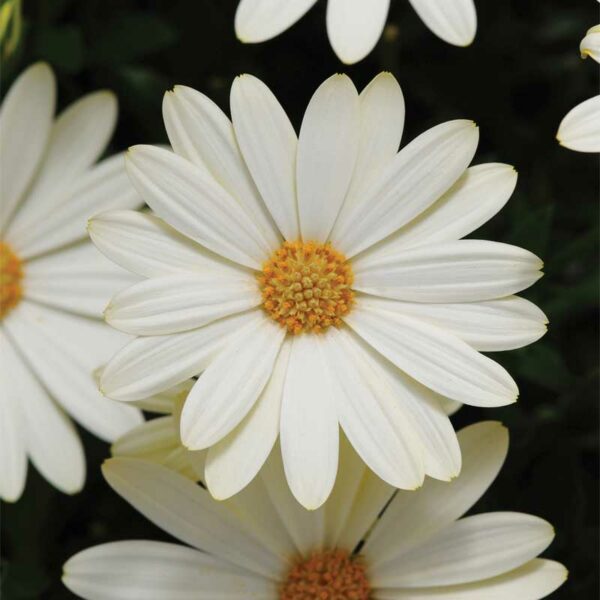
{"points": [[471, 549], [355, 26], [25, 123], [423, 412], [490, 326], [309, 424], [382, 122], [146, 245], [167, 401], [63, 351], [459, 271], [533, 581], [195, 205], [454, 21], [158, 441], [373, 495], [327, 151], [413, 181], [435, 358], [472, 201], [268, 143], [580, 129], [150, 365], [103, 187], [148, 439], [199, 131], [187, 512], [234, 461], [254, 508], [349, 482], [77, 279], [181, 301], [13, 457], [158, 570], [412, 518], [374, 422], [261, 20], [51, 440], [79, 136], [305, 528], [590, 44], [231, 384]]}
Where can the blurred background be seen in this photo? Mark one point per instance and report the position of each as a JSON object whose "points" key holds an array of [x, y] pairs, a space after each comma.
{"points": [[519, 78]]}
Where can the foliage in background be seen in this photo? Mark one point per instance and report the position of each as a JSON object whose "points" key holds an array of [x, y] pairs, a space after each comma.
{"points": [[520, 77]]}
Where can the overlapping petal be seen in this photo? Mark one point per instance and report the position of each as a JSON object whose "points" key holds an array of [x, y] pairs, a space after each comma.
{"points": [[195, 205], [421, 172]]}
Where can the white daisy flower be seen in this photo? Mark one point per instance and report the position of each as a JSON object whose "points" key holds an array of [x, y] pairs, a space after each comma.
{"points": [[354, 26], [263, 545], [316, 282], [580, 129], [54, 283]]}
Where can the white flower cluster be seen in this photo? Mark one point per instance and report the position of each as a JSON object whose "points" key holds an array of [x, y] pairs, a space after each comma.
{"points": [[303, 311]]}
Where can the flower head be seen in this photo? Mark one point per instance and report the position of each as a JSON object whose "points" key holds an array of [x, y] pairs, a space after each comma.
{"points": [[53, 282], [316, 282], [368, 542]]}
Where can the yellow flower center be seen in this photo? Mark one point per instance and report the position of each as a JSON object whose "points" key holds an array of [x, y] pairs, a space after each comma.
{"points": [[306, 286], [11, 274], [331, 575]]}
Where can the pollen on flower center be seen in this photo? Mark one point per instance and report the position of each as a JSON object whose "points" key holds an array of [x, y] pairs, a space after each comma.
{"points": [[11, 274], [306, 286], [331, 575]]}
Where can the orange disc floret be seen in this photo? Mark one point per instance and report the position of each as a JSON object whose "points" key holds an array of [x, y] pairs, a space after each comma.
{"points": [[330, 575], [306, 286], [11, 275]]}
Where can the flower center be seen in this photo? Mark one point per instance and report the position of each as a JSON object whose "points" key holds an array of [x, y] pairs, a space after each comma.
{"points": [[306, 286], [331, 575], [11, 274]]}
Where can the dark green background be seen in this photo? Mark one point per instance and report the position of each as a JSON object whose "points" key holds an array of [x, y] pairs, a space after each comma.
{"points": [[517, 81]]}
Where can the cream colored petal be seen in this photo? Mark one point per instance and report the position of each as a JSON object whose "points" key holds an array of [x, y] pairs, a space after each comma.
{"points": [[580, 129], [25, 124], [234, 461], [186, 511], [156, 571]]}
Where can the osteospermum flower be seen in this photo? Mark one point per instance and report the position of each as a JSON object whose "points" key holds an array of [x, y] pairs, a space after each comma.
{"points": [[580, 129], [54, 283], [354, 26], [316, 282], [262, 544]]}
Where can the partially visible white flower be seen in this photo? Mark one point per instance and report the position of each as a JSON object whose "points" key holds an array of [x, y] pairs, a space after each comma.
{"points": [[590, 44], [53, 282], [580, 129], [354, 26], [263, 545]]}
